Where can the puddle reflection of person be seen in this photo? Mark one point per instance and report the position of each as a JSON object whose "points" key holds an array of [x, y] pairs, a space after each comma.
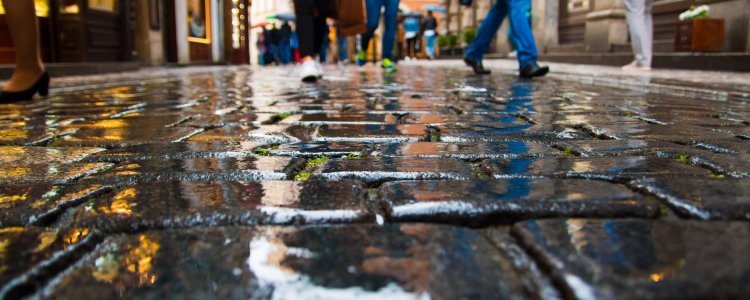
{"points": [[29, 76]]}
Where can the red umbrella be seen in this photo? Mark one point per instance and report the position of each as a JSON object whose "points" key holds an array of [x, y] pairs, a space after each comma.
{"points": [[260, 24]]}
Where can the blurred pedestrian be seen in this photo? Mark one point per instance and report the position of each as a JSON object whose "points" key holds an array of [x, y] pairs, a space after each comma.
{"points": [[373, 8], [430, 34], [519, 23], [342, 46], [641, 25], [411, 33], [285, 38], [29, 77], [273, 40], [311, 30]]}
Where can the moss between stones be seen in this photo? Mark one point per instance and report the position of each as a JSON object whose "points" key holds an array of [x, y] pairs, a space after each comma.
{"points": [[310, 167]]}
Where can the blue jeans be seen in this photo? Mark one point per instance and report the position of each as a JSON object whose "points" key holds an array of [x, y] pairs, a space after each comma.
{"points": [[343, 45], [373, 21], [430, 45], [519, 23], [284, 52]]}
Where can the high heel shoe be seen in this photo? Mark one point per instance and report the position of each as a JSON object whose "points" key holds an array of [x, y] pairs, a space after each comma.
{"points": [[41, 86]]}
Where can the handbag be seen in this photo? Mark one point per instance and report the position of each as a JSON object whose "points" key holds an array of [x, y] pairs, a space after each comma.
{"points": [[350, 16]]}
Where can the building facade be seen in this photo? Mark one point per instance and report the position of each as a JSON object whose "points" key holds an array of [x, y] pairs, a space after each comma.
{"points": [[598, 27]]}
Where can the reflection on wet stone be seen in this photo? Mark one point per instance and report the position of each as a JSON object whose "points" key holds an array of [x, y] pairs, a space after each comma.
{"points": [[643, 259], [504, 201], [348, 262], [173, 158], [214, 203]]}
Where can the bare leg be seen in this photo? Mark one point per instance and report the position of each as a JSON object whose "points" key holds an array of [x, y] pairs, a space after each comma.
{"points": [[24, 32]]}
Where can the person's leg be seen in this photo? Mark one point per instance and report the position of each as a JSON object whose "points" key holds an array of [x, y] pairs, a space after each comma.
{"points": [[373, 21], [23, 28], [343, 45], [305, 28], [648, 43], [486, 32], [389, 35], [430, 46], [523, 37], [634, 14]]}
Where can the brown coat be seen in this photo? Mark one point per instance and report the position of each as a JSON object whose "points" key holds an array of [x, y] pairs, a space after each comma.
{"points": [[350, 16]]}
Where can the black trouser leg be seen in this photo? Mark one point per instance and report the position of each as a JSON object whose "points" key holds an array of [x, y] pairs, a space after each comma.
{"points": [[311, 23]]}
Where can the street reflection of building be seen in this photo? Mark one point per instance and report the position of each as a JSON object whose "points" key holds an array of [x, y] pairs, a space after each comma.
{"points": [[595, 31]]}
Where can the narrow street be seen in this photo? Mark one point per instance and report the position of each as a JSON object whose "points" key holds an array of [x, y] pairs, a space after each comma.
{"points": [[428, 183]]}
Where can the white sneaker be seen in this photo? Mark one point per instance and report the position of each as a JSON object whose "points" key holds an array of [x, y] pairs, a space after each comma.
{"points": [[635, 67], [513, 54], [310, 71], [320, 69]]}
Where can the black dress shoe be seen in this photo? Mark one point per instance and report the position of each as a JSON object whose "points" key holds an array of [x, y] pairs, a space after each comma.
{"points": [[533, 70], [477, 66], [41, 86]]}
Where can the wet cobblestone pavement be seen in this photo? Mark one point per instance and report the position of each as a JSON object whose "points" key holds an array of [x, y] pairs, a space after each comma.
{"points": [[431, 183]]}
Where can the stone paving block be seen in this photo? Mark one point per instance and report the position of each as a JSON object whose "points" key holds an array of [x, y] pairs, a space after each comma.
{"points": [[30, 255], [482, 202], [225, 118], [621, 147], [281, 134], [606, 168], [44, 155], [218, 203], [733, 165], [22, 205], [504, 132], [340, 119], [330, 149], [25, 136], [378, 169], [468, 151], [229, 133], [172, 151], [669, 133], [200, 169], [113, 133], [714, 199], [29, 172], [437, 119], [340, 262], [371, 133], [584, 119], [642, 259]]}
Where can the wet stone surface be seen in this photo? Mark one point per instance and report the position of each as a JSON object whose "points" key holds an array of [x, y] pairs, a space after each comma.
{"points": [[396, 261], [215, 203], [231, 168], [643, 259], [428, 183], [505, 201], [604, 168], [718, 199], [398, 168]]}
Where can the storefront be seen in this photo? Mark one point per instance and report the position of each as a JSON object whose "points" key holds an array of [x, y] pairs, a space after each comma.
{"points": [[207, 31], [79, 31]]}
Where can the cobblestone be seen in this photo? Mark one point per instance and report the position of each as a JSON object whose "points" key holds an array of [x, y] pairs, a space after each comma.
{"points": [[429, 183]]}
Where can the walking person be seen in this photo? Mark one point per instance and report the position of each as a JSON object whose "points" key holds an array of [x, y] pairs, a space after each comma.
{"points": [[373, 8], [411, 33], [527, 53], [641, 25], [311, 30], [29, 77], [430, 33], [285, 38], [273, 43]]}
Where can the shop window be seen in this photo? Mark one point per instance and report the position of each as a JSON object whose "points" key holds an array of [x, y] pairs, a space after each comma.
{"points": [[103, 5], [199, 21], [69, 7], [42, 8]]}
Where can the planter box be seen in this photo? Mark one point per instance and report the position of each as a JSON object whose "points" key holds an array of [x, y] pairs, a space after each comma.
{"points": [[700, 35]]}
